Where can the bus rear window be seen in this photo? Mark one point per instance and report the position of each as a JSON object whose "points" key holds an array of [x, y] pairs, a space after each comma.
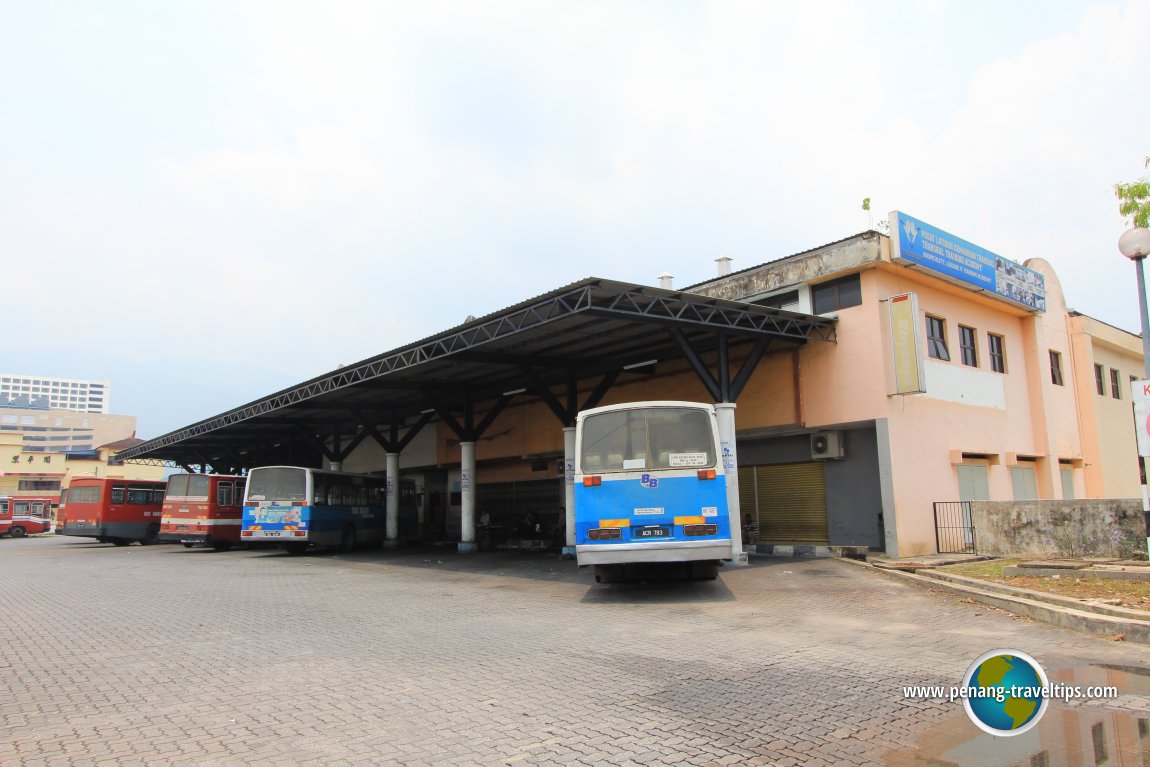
{"points": [[647, 438], [199, 486], [277, 484], [84, 494], [178, 485]]}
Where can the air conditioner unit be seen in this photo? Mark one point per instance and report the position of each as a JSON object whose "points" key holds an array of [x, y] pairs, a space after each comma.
{"points": [[826, 445]]}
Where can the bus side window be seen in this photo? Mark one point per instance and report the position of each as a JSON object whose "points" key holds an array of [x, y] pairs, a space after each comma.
{"points": [[224, 494], [158, 496], [117, 493], [240, 486], [140, 496], [320, 495]]}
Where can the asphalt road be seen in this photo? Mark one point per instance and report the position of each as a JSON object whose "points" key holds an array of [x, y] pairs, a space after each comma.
{"points": [[162, 655]]}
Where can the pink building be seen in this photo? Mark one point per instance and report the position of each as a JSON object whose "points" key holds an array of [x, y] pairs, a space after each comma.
{"points": [[999, 399]]}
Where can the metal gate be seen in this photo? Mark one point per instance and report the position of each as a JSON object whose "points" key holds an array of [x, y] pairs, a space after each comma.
{"points": [[953, 527]]}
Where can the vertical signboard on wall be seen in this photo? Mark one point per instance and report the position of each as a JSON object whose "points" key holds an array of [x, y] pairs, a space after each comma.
{"points": [[1140, 396], [909, 375]]}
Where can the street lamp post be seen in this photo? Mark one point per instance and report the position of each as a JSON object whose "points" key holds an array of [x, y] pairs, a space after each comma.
{"points": [[1135, 245]]}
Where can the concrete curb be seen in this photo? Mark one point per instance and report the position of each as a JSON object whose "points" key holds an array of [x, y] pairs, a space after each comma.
{"points": [[1113, 575], [1078, 618], [1071, 603]]}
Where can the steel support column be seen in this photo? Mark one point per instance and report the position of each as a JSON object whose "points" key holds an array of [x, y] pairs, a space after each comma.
{"points": [[725, 412], [569, 490], [392, 535], [467, 494]]}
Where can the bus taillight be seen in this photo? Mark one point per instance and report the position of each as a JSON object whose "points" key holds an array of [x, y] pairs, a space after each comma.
{"points": [[706, 473], [594, 481], [604, 533], [700, 529]]}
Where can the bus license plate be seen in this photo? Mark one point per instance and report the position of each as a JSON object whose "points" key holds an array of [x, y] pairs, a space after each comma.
{"points": [[650, 532], [271, 534]]}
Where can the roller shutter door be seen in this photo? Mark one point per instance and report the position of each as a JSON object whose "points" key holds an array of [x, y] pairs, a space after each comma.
{"points": [[789, 501]]}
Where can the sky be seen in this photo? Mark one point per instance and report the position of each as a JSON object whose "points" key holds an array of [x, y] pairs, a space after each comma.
{"points": [[208, 201]]}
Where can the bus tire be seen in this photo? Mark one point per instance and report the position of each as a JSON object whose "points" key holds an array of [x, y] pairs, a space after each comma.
{"points": [[17, 532], [221, 545], [704, 571], [188, 545], [347, 539], [294, 548], [151, 535], [119, 541]]}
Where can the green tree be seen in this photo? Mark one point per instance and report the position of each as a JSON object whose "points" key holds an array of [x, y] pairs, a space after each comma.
{"points": [[1134, 199]]}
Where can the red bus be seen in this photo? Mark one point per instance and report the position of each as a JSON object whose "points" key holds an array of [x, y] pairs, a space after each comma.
{"points": [[203, 508], [25, 515], [116, 511]]}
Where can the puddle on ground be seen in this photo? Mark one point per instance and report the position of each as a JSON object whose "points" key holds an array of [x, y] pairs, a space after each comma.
{"points": [[1113, 731]]}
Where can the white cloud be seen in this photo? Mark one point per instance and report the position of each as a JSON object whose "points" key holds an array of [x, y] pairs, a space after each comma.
{"points": [[354, 177]]}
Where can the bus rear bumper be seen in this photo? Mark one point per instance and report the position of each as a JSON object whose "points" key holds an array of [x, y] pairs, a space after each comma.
{"points": [[185, 538], [655, 551], [80, 529]]}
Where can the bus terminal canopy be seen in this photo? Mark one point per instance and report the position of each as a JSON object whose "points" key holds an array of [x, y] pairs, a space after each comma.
{"points": [[593, 330]]}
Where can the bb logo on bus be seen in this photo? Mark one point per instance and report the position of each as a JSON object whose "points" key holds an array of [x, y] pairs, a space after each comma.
{"points": [[648, 481]]}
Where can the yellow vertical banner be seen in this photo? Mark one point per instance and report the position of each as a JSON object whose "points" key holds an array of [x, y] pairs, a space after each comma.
{"points": [[909, 376]]}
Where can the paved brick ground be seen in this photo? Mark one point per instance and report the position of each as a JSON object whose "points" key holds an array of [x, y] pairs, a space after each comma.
{"points": [[162, 655]]}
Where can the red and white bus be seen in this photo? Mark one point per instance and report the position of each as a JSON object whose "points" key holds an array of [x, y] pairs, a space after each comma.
{"points": [[25, 515], [203, 509], [116, 511]]}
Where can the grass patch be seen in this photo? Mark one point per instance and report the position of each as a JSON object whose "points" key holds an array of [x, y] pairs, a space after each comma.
{"points": [[1135, 594]]}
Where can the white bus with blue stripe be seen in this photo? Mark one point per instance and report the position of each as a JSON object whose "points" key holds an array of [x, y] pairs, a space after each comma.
{"points": [[650, 487]]}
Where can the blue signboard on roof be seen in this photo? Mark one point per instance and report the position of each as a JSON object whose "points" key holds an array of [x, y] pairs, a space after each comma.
{"points": [[919, 243]]}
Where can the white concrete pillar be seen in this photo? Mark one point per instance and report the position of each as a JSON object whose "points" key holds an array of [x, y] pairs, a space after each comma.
{"points": [[725, 413], [335, 466], [392, 539], [569, 489], [467, 495]]}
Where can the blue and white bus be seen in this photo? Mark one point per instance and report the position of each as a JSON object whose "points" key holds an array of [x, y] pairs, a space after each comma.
{"points": [[650, 487], [298, 507]]}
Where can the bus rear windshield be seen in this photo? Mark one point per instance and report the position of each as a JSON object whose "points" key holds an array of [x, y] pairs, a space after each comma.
{"points": [[647, 438], [277, 484], [84, 494]]}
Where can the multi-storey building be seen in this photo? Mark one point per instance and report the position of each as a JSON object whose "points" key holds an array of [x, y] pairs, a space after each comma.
{"points": [[25, 473], [64, 431], [82, 395]]}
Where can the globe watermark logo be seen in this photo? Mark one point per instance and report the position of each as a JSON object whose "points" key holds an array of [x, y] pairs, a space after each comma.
{"points": [[1006, 692]]}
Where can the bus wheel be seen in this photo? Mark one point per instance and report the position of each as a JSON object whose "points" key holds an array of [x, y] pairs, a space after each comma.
{"points": [[151, 535], [295, 548], [17, 532], [704, 571], [221, 545], [347, 540], [119, 541], [188, 545], [608, 573]]}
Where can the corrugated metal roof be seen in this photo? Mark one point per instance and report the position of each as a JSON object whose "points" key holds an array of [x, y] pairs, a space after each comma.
{"points": [[583, 330]]}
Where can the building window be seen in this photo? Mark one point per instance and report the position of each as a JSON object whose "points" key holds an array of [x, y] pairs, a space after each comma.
{"points": [[997, 347], [836, 294], [968, 344], [788, 300], [1099, 384], [1115, 387], [1056, 368], [1024, 479], [936, 338]]}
